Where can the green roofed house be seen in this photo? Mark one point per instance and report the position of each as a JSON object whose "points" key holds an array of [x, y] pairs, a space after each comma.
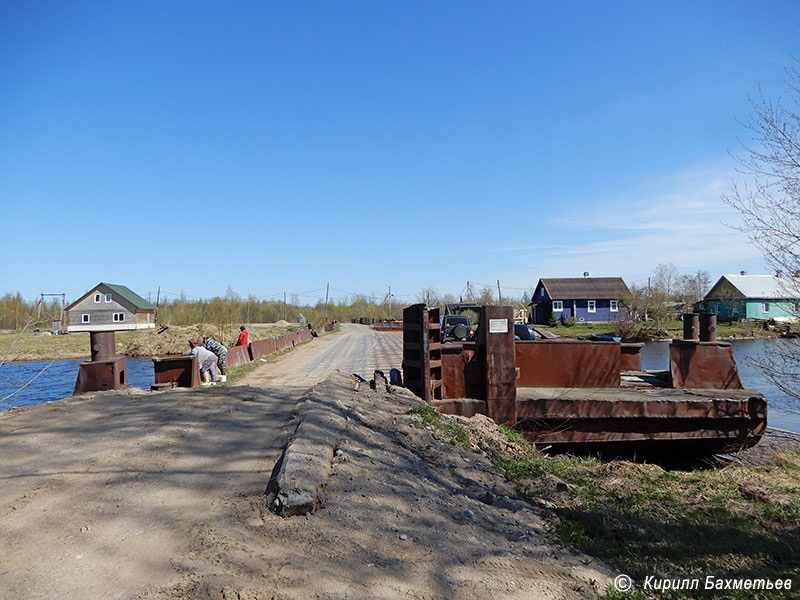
{"points": [[110, 307], [762, 297]]}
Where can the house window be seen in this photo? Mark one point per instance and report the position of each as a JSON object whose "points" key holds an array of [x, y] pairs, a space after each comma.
{"points": [[97, 297], [765, 307], [84, 318], [108, 297], [796, 307], [615, 306], [592, 306], [541, 292], [558, 305], [119, 317], [715, 307]]}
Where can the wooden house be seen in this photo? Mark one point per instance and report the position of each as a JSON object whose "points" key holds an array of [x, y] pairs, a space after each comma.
{"points": [[110, 307], [759, 297], [587, 299]]}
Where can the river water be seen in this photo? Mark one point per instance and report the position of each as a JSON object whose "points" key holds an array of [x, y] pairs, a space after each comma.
{"points": [[58, 380]]}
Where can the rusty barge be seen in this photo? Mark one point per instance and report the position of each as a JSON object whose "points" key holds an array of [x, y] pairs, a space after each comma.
{"points": [[586, 392]]}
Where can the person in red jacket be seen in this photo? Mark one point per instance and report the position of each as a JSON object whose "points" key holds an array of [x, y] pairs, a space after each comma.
{"points": [[242, 341]]}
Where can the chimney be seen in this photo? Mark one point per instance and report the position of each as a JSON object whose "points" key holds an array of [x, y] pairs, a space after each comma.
{"points": [[742, 272], [778, 273], [586, 273]]}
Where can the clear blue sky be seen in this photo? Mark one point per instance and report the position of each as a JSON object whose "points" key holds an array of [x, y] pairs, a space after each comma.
{"points": [[272, 147]]}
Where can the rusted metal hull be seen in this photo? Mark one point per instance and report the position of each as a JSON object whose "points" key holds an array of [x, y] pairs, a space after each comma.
{"points": [[722, 417], [561, 392], [100, 375], [462, 376], [568, 363], [180, 370], [238, 355], [703, 365], [630, 357]]}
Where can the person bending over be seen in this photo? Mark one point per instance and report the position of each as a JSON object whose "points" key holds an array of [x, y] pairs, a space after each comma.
{"points": [[206, 361]]}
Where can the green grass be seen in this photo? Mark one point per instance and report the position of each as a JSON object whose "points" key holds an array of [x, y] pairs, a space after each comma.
{"points": [[453, 432], [647, 521], [734, 523], [666, 329]]}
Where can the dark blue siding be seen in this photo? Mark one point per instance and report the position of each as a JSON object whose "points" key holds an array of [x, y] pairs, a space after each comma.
{"points": [[603, 313]]}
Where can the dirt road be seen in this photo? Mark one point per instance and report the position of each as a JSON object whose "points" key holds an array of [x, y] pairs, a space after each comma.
{"points": [[161, 496], [356, 349]]}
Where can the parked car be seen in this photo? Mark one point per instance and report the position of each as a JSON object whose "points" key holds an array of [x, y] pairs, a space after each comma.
{"points": [[523, 331], [456, 327]]}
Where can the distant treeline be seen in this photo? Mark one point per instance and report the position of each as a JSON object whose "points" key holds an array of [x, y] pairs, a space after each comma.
{"points": [[17, 313]]}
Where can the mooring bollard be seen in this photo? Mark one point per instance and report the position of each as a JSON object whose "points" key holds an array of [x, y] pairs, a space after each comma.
{"points": [[690, 326], [708, 327], [105, 370]]}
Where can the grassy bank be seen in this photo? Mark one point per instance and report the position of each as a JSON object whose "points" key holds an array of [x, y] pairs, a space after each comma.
{"points": [[665, 330], [140, 343], [736, 522]]}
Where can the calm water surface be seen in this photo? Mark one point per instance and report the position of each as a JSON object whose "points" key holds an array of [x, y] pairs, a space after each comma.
{"points": [[57, 380], [783, 411]]}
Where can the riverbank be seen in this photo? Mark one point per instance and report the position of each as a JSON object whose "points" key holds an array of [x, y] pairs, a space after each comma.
{"points": [[142, 343], [651, 332]]}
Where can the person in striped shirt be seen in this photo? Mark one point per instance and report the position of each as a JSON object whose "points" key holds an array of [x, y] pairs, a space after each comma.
{"points": [[222, 355]]}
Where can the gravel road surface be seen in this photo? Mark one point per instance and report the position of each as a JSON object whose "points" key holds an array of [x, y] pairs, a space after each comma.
{"points": [[355, 349]]}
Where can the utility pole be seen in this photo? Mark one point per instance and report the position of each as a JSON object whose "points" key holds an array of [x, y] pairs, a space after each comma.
{"points": [[499, 295], [284, 306], [390, 303], [327, 290], [469, 293], [158, 297]]}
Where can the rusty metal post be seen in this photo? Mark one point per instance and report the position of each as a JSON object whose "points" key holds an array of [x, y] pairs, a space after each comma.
{"points": [[690, 326], [422, 352], [105, 370], [496, 348], [103, 345], [708, 327]]}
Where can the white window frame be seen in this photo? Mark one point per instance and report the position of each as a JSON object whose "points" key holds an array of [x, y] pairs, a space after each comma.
{"points": [[119, 317], [108, 297], [591, 306], [558, 305], [765, 308], [614, 305], [98, 297], [86, 318], [716, 308]]}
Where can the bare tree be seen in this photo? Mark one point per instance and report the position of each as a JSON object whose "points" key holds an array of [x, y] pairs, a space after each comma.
{"points": [[769, 202], [666, 279], [692, 288]]}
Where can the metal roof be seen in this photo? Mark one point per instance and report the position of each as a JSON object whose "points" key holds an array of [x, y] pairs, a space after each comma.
{"points": [[126, 293], [585, 288], [130, 296], [760, 286]]}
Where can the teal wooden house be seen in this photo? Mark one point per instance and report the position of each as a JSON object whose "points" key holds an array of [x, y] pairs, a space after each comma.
{"points": [[760, 297]]}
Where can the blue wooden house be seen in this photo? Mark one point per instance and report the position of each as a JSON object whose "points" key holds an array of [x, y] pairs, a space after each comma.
{"points": [[588, 299]]}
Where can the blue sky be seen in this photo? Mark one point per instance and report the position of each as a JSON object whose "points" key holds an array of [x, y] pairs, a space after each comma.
{"points": [[270, 147]]}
